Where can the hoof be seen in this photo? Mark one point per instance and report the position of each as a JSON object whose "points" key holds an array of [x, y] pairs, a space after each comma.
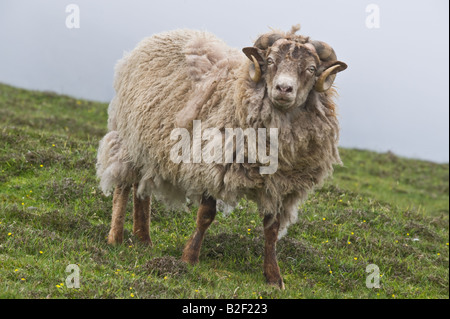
{"points": [[275, 281], [144, 239], [146, 242], [114, 240], [278, 284], [190, 258]]}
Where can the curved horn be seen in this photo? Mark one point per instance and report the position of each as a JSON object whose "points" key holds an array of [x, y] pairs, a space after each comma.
{"points": [[326, 79], [266, 40], [327, 56], [256, 76], [324, 51], [263, 43]]}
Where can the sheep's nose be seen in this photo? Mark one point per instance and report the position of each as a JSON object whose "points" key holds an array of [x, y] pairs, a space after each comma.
{"points": [[284, 88]]}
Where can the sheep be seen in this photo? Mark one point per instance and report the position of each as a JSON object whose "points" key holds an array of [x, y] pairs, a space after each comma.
{"points": [[176, 79]]}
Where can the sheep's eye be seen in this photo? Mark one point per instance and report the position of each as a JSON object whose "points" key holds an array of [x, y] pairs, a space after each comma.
{"points": [[269, 61], [312, 69]]}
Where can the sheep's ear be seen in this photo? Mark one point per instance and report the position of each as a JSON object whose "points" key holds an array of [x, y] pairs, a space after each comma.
{"points": [[256, 56], [327, 74], [252, 51]]}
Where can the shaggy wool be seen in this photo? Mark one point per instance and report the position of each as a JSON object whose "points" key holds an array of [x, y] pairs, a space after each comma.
{"points": [[173, 78]]}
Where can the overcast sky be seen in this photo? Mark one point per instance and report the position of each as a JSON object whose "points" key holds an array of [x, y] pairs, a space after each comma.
{"points": [[393, 96]]}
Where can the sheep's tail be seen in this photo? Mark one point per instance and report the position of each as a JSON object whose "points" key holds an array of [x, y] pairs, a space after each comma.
{"points": [[113, 168]]}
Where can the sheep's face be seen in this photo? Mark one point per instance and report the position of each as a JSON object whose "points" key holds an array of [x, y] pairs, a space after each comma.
{"points": [[291, 69]]}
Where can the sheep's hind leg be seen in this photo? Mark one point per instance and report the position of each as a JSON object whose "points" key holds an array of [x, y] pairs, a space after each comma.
{"points": [[120, 199], [271, 269], [141, 217], [205, 216]]}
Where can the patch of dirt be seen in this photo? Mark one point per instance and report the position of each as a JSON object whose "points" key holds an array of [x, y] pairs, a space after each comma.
{"points": [[44, 157], [217, 246], [64, 191], [290, 248], [164, 266]]}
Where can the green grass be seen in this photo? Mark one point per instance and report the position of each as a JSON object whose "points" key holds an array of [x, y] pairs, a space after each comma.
{"points": [[378, 209]]}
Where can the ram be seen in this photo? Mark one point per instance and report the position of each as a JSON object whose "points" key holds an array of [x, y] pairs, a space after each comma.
{"points": [[174, 80]]}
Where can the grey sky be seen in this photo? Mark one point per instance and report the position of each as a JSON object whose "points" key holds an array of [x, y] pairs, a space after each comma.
{"points": [[394, 95]]}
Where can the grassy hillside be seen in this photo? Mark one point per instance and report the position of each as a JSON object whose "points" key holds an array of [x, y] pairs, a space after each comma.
{"points": [[378, 209]]}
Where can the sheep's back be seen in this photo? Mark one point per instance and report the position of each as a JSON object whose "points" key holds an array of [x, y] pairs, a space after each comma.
{"points": [[153, 83]]}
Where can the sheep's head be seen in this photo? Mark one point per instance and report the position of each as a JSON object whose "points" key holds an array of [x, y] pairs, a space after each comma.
{"points": [[292, 66]]}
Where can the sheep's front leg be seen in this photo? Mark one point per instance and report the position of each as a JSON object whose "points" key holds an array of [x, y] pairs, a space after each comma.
{"points": [[120, 199], [271, 269], [141, 217], [205, 216]]}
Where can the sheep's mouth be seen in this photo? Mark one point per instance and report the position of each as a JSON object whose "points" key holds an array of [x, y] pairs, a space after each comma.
{"points": [[282, 102]]}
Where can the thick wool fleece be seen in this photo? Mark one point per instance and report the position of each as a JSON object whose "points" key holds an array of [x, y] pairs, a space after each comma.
{"points": [[173, 78]]}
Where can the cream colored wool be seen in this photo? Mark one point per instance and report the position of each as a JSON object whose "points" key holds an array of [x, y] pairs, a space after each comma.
{"points": [[172, 78]]}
